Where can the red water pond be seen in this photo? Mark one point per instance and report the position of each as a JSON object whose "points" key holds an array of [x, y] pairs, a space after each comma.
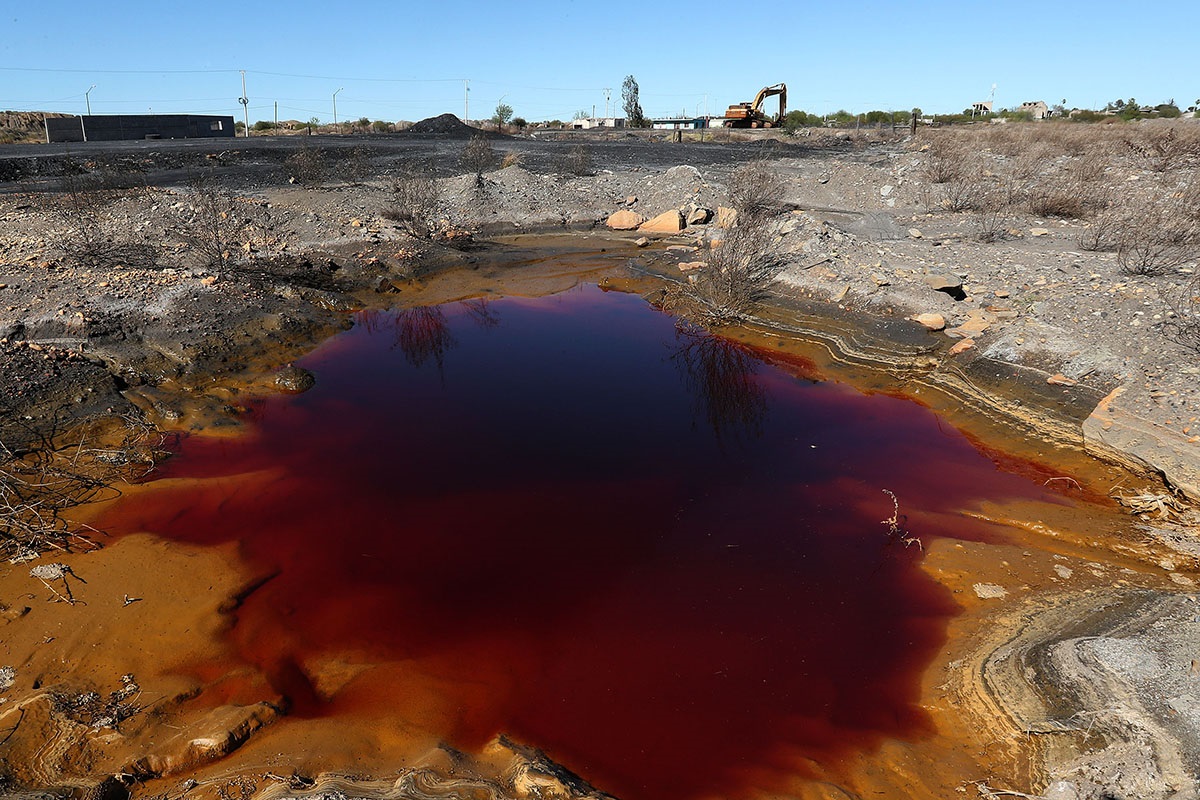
{"points": [[655, 554]]}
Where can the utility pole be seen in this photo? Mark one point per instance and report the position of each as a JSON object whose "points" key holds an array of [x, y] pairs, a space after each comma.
{"points": [[466, 99], [276, 113], [87, 99], [245, 106], [607, 94], [335, 125]]}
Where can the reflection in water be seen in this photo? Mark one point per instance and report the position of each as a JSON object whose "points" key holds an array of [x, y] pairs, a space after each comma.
{"points": [[421, 333], [480, 309], [721, 375]]}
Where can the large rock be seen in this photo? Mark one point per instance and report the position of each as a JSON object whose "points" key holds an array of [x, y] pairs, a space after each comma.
{"points": [[667, 222], [625, 220], [699, 216], [950, 284]]}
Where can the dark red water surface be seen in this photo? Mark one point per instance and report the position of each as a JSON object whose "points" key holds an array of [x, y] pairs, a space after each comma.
{"points": [[648, 552]]}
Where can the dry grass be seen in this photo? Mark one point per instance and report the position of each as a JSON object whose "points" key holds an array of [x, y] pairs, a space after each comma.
{"points": [[1077, 172]]}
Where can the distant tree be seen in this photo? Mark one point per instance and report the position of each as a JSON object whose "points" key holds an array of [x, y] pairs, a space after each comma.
{"points": [[519, 123], [381, 126], [800, 119], [630, 102], [580, 114], [502, 115], [1168, 110]]}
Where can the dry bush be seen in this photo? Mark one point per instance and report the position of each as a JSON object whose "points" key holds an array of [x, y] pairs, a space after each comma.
{"points": [[1165, 149], [961, 193], [415, 197], [947, 159], [1104, 230], [92, 235], [478, 156], [578, 161], [991, 217], [306, 166], [735, 277], [1184, 327], [357, 166], [511, 159], [756, 189], [43, 475], [1159, 231], [218, 227]]}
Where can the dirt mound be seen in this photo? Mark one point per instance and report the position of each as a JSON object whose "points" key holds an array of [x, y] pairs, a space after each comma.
{"points": [[444, 125]]}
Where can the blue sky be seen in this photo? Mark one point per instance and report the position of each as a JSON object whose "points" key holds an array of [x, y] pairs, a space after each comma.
{"points": [[408, 60]]}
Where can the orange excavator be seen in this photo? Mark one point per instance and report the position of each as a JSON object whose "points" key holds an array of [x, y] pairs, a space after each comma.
{"points": [[750, 115]]}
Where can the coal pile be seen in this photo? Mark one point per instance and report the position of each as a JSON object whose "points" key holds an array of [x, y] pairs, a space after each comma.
{"points": [[444, 125]]}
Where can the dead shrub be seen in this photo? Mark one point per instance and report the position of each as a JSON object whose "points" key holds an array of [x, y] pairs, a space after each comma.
{"points": [[415, 197], [1164, 150], [1184, 327], [478, 156], [218, 227], [357, 166], [92, 235], [306, 166], [991, 218], [96, 711], [578, 161], [1103, 233], [947, 159], [756, 189], [1158, 232], [511, 159], [735, 277], [961, 193], [44, 473]]}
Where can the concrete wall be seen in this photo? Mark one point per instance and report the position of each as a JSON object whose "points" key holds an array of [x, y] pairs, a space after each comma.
{"points": [[116, 127]]}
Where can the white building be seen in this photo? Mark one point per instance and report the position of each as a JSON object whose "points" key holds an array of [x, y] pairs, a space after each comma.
{"points": [[587, 123]]}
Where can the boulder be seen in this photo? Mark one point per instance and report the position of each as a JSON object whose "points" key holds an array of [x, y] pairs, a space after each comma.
{"points": [[642, 241], [949, 284], [625, 220], [699, 216], [294, 380], [691, 266], [667, 222]]}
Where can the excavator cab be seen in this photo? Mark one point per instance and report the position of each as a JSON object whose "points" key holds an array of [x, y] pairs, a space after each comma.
{"points": [[750, 115]]}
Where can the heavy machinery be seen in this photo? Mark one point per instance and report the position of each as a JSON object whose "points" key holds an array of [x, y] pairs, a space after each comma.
{"points": [[750, 115]]}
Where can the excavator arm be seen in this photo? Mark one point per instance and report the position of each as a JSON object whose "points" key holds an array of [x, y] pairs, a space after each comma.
{"points": [[770, 91]]}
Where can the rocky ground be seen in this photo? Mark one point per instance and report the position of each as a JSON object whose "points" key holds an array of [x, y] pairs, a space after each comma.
{"points": [[188, 294]]}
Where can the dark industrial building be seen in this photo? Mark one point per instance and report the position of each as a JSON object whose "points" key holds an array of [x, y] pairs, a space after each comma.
{"points": [[116, 127]]}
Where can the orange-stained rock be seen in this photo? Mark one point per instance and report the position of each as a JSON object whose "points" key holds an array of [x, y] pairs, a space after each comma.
{"points": [[625, 220], [667, 222]]}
